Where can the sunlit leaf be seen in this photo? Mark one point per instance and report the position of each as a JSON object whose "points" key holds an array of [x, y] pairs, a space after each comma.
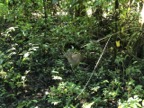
{"points": [[119, 106], [87, 105], [118, 43]]}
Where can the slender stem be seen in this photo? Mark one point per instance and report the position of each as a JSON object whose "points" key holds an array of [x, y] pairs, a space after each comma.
{"points": [[45, 16]]}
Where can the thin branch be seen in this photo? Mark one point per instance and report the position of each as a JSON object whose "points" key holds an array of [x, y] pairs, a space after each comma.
{"points": [[45, 10], [114, 34], [95, 67]]}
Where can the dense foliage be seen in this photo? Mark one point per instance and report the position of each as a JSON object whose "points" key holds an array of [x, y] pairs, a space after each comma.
{"points": [[71, 54]]}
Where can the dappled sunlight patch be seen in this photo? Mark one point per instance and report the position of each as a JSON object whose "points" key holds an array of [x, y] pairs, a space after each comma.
{"points": [[132, 102]]}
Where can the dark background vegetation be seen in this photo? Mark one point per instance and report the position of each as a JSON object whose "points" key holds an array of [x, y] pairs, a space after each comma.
{"points": [[35, 35]]}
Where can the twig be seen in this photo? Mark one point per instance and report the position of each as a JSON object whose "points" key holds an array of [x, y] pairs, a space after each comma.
{"points": [[96, 65]]}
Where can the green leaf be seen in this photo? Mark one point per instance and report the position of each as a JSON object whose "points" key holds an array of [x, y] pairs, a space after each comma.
{"points": [[7, 1], [3, 9]]}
